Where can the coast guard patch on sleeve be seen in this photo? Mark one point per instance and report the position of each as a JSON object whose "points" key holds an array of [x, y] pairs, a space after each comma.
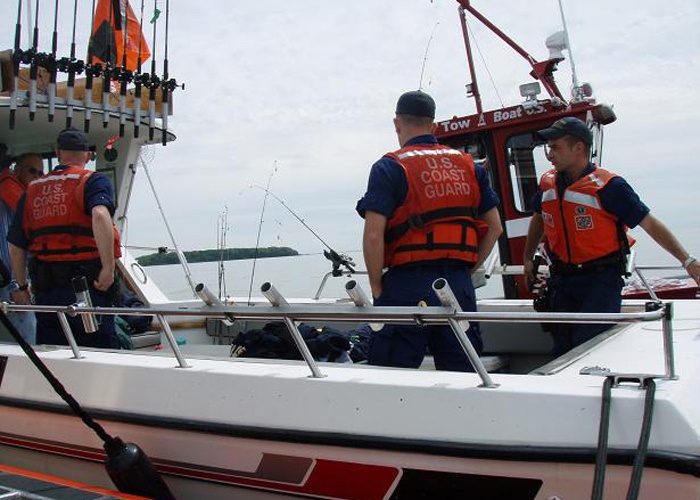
{"points": [[584, 222]]}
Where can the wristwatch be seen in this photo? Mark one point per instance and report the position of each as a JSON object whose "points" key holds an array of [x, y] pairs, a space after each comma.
{"points": [[689, 261], [16, 287]]}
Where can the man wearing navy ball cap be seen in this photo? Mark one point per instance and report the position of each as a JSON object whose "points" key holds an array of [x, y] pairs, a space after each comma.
{"points": [[64, 221], [429, 213], [582, 213]]}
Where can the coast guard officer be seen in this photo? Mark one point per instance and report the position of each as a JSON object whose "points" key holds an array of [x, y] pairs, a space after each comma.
{"points": [[64, 221], [583, 212], [423, 209]]}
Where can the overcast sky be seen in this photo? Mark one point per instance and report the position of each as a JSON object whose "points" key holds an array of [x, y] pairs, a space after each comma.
{"points": [[305, 91]]}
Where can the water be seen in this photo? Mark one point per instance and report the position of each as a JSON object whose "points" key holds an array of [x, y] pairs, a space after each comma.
{"points": [[300, 276], [297, 276]]}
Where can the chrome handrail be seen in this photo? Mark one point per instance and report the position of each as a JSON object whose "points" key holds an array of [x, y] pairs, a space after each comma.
{"points": [[429, 315]]}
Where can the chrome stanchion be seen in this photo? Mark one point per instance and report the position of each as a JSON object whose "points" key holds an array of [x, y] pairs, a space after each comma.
{"points": [[277, 300], [669, 360], [447, 299], [171, 340], [69, 335]]}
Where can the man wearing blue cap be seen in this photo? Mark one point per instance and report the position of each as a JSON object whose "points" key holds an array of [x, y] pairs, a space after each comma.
{"points": [[64, 221], [583, 212], [429, 213]]}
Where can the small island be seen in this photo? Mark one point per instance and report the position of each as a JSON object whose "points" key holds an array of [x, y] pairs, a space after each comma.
{"points": [[163, 258]]}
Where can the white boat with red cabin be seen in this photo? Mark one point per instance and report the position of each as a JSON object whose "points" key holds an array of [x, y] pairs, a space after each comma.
{"points": [[617, 417]]}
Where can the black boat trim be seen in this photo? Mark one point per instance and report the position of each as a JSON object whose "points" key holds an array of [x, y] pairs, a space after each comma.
{"points": [[670, 461]]}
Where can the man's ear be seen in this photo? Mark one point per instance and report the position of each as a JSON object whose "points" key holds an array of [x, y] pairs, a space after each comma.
{"points": [[397, 125]]}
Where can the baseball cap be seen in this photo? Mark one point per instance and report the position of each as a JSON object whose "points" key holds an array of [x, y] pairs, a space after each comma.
{"points": [[72, 139], [567, 126], [416, 103]]}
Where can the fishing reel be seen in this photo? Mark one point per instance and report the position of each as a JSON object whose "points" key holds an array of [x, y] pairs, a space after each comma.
{"points": [[70, 65], [23, 56], [149, 81], [170, 85], [93, 70], [46, 61], [339, 260]]}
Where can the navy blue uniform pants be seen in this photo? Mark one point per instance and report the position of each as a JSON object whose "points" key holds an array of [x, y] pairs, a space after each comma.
{"points": [[405, 345], [587, 293], [48, 327]]}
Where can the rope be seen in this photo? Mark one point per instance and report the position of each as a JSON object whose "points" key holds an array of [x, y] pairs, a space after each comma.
{"points": [[486, 66], [643, 446], [180, 255], [602, 451]]}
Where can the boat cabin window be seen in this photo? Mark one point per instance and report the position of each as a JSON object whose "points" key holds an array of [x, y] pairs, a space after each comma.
{"points": [[526, 163]]}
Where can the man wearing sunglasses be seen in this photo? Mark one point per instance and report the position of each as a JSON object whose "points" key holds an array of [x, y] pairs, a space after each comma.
{"points": [[13, 183]]}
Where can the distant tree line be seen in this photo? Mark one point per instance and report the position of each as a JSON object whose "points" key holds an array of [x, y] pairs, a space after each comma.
{"points": [[161, 259]]}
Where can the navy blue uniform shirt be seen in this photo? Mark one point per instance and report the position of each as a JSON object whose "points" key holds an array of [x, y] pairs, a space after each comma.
{"points": [[387, 186], [617, 197], [98, 191]]}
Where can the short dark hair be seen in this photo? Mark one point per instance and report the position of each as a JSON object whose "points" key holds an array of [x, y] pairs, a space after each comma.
{"points": [[416, 121]]}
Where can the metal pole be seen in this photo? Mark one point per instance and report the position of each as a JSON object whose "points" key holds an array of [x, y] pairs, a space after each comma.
{"points": [[171, 340], [277, 300], [69, 335], [447, 298], [667, 323]]}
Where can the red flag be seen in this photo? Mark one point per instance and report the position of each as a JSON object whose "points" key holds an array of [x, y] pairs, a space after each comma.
{"points": [[107, 41]]}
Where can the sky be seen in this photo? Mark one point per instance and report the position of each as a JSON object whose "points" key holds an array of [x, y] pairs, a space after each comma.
{"points": [[301, 95]]}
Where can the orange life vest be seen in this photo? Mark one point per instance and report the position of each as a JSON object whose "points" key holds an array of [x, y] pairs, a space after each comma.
{"points": [[438, 219], [55, 221], [11, 189], [577, 228]]}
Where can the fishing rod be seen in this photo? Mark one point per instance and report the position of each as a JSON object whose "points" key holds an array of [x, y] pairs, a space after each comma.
{"points": [[153, 80], [425, 56], [16, 59], [336, 258], [108, 66], [260, 223], [72, 66], [124, 74], [128, 466], [34, 67], [91, 71], [50, 64], [165, 90], [138, 79]]}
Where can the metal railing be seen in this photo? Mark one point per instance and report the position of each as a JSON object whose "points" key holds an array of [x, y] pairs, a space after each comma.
{"points": [[281, 310]]}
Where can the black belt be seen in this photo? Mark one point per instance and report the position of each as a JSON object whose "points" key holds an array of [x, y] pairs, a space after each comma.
{"points": [[566, 269]]}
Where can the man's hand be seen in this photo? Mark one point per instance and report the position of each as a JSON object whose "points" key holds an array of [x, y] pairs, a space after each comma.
{"points": [[694, 271], [529, 270], [104, 280], [23, 297]]}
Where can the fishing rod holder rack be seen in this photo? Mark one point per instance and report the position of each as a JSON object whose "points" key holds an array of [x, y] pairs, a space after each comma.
{"points": [[47, 94], [292, 314]]}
